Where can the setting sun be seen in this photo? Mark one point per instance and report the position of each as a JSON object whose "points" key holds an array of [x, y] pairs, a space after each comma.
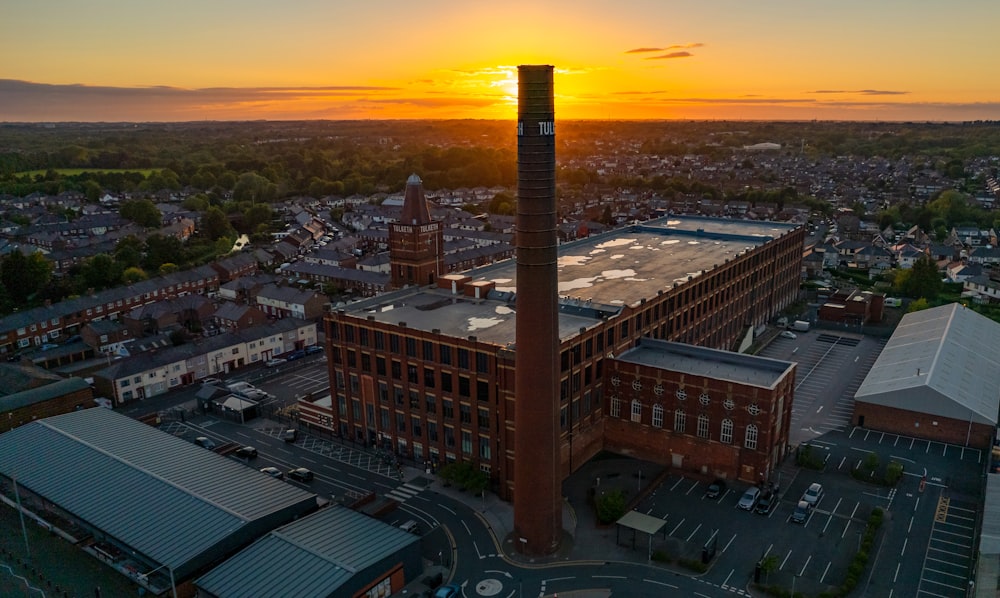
{"points": [[632, 60]]}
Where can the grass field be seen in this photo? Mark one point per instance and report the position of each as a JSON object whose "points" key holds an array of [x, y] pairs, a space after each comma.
{"points": [[75, 171]]}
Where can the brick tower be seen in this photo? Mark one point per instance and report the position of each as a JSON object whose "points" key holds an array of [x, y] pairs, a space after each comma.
{"points": [[537, 480], [416, 243]]}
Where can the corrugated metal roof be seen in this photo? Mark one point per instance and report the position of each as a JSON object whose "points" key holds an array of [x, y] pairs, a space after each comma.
{"points": [[311, 557], [163, 496], [989, 543], [941, 361]]}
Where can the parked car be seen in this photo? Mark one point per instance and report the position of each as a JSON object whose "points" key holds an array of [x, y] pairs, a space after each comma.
{"points": [[211, 382], [766, 502], [273, 363], [813, 494], [239, 387], [297, 354], [311, 349], [300, 474], [749, 499], [716, 489], [788, 334], [205, 442], [450, 590], [246, 452], [290, 435], [801, 512], [274, 472]]}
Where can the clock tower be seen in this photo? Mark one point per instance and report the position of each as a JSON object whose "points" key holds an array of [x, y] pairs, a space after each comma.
{"points": [[416, 243]]}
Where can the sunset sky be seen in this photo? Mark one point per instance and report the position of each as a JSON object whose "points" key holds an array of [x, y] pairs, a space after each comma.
{"points": [[183, 60]]}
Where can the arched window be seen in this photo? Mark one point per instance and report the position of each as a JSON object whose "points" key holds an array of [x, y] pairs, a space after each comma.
{"points": [[751, 440], [636, 411], [726, 437], [657, 416], [702, 426], [680, 421]]}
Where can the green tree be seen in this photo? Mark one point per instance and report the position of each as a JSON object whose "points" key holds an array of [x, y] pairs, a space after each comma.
{"points": [[167, 268], [610, 506], [924, 280], [918, 305], [23, 275], [143, 212], [253, 187], [161, 249], [133, 275], [215, 225], [100, 272]]}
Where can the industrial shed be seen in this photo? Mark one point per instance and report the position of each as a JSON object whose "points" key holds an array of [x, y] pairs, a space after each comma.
{"points": [[141, 500], [937, 378], [335, 552]]}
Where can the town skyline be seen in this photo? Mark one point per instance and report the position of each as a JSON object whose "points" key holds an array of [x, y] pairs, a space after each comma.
{"points": [[778, 60]]}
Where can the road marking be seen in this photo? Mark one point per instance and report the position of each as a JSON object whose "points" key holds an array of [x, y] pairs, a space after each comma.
{"points": [[676, 528], [803, 571], [605, 577], [897, 572], [729, 542], [694, 532], [660, 583], [725, 584], [693, 486], [467, 530], [820, 409], [822, 577], [782, 566]]}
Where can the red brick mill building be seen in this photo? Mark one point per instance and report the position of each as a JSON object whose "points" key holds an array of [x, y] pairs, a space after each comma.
{"points": [[428, 370]]}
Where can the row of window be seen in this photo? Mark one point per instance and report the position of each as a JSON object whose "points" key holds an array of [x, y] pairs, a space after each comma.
{"points": [[680, 423], [446, 354]]}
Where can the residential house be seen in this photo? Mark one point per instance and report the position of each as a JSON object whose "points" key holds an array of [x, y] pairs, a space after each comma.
{"points": [[233, 316], [288, 301]]}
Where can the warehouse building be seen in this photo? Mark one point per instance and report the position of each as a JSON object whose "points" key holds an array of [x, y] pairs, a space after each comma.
{"points": [[152, 506], [937, 378]]}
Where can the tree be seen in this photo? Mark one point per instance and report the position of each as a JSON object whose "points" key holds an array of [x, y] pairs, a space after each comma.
{"points": [[161, 249], [924, 280], [918, 305], [23, 275], [215, 225], [100, 272], [167, 268], [143, 212], [133, 275], [610, 506]]}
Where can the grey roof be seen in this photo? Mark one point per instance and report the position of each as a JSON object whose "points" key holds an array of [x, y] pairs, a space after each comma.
{"points": [[171, 500], [311, 557], [941, 361], [597, 277], [989, 544], [42, 393], [738, 368]]}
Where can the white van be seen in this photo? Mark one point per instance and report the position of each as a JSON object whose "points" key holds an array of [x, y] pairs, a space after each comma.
{"points": [[410, 527]]}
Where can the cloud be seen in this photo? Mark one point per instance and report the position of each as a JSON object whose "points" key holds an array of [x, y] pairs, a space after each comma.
{"points": [[867, 92], [666, 48], [670, 55]]}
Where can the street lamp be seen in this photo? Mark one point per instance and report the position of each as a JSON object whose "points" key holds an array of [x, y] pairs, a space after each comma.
{"points": [[144, 577]]}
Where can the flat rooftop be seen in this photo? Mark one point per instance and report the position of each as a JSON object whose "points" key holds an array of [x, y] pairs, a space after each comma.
{"points": [[737, 368], [597, 277]]}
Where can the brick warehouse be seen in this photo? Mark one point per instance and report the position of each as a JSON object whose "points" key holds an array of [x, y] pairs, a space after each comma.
{"points": [[428, 371]]}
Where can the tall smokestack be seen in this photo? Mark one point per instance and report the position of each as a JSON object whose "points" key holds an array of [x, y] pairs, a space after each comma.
{"points": [[537, 482]]}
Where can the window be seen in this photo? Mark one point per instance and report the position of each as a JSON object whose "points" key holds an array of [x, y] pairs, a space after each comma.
{"points": [[432, 431], [680, 421], [751, 439], [414, 399], [411, 346], [466, 442], [394, 343], [411, 373], [429, 401], [446, 381], [447, 409], [465, 414], [363, 337], [482, 363], [484, 419], [380, 366], [483, 390], [616, 406], [449, 437], [415, 426], [446, 354], [484, 448], [463, 358], [726, 437], [636, 411], [702, 426], [400, 422], [428, 350], [429, 377], [463, 386], [397, 370], [657, 416], [384, 419]]}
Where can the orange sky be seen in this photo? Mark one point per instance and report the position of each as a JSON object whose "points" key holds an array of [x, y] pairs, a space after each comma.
{"points": [[121, 60]]}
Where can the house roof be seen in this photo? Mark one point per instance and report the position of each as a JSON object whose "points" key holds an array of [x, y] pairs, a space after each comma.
{"points": [[941, 361], [42, 393], [173, 500], [315, 556]]}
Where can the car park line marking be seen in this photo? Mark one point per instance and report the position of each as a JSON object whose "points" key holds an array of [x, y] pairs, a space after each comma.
{"points": [[820, 409], [604, 577], [729, 542], [948, 563], [725, 584], [447, 509], [693, 486], [352, 474], [785, 560], [842, 460], [803, 571], [308, 460], [940, 572], [467, 530], [677, 527], [822, 577], [768, 551], [677, 483], [694, 532], [905, 540], [897, 572]]}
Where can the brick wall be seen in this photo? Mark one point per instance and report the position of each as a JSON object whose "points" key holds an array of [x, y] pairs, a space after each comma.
{"points": [[83, 398], [921, 425]]}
